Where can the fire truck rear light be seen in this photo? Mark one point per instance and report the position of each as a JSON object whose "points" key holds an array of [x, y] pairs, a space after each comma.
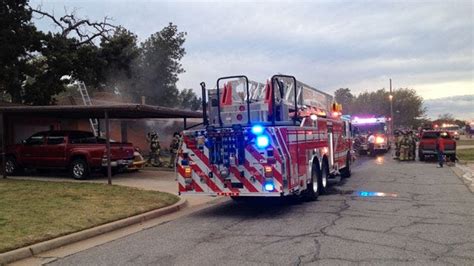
{"points": [[269, 186], [184, 162], [257, 129], [263, 141], [187, 172], [268, 171], [239, 117]]}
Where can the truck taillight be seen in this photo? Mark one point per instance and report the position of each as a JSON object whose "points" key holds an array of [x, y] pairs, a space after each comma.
{"points": [[268, 171], [187, 172]]}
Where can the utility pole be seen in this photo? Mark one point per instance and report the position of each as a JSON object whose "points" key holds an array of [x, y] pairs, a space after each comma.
{"points": [[391, 108]]}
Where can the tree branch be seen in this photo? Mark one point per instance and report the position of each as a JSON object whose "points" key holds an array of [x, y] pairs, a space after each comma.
{"points": [[84, 29]]}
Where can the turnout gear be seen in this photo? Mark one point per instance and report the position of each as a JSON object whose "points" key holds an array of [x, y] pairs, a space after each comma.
{"points": [[404, 148], [155, 148], [174, 146]]}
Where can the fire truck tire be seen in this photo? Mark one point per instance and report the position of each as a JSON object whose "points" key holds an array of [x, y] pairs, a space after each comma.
{"points": [[346, 171], [313, 190], [323, 180]]}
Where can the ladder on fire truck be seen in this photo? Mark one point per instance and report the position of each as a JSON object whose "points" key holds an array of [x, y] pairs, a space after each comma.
{"points": [[81, 86]]}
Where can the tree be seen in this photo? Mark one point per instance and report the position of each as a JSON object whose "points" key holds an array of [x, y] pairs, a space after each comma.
{"points": [[344, 97], [33, 62], [189, 100], [160, 65], [19, 39], [407, 106], [120, 53], [447, 117]]}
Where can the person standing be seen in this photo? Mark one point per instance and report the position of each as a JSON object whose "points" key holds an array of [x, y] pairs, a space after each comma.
{"points": [[404, 147], [412, 145], [174, 146], [371, 142], [154, 158], [440, 148]]}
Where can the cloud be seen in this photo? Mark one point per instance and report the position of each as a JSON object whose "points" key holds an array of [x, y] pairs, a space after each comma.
{"points": [[423, 45], [462, 107]]}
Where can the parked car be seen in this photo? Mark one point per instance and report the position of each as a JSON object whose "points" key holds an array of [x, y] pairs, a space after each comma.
{"points": [[427, 146], [78, 151]]}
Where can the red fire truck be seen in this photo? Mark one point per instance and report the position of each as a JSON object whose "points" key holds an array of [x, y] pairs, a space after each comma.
{"points": [[275, 139]]}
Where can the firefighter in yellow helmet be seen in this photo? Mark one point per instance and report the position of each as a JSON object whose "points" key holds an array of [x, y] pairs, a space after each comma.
{"points": [[404, 147]]}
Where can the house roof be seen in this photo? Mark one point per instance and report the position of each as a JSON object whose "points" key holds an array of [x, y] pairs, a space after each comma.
{"points": [[117, 111]]}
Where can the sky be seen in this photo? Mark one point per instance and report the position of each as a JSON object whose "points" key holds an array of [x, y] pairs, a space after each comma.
{"points": [[424, 45]]}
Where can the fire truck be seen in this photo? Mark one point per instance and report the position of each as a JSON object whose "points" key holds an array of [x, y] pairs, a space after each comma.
{"points": [[365, 125], [271, 139]]}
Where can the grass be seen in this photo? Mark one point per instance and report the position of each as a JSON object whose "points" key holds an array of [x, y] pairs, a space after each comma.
{"points": [[34, 211], [465, 142], [465, 154]]}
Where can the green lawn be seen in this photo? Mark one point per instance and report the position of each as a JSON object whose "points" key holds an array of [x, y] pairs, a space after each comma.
{"points": [[34, 211], [466, 154], [465, 142]]}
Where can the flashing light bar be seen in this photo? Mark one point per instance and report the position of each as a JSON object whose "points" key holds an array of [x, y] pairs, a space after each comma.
{"points": [[369, 120]]}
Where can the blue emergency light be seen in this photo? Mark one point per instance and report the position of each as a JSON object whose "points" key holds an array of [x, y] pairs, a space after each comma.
{"points": [[263, 141], [269, 186], [257, 129]]}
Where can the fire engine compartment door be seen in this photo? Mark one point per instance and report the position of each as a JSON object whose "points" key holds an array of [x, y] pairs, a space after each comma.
{"points": [[331, 145]]}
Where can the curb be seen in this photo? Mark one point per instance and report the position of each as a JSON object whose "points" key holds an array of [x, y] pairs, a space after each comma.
{"points": [[37, 248], [465, 174]]}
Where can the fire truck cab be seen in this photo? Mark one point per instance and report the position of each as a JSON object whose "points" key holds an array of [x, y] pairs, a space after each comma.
{"points": [[270, 139]]}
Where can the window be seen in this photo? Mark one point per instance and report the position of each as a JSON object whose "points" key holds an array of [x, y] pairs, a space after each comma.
{"points": [[81, 137], [55, 139], [36, 139]]}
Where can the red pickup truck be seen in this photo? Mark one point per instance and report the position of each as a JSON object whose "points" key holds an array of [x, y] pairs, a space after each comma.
{"points": [[78, 151], [427, 146]]}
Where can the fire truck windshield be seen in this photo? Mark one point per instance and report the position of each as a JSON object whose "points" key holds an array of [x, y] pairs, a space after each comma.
{"points": [[366, 128]]}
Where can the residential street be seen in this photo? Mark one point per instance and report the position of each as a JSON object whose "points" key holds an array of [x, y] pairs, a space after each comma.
{"points": [[427, 217]]}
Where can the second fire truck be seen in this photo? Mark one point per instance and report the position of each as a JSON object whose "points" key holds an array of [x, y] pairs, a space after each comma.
{"points": [[275, 139]]}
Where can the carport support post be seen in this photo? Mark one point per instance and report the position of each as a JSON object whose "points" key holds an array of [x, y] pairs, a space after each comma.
{"points": [[107, 141], [184, 123], [2, 125]]}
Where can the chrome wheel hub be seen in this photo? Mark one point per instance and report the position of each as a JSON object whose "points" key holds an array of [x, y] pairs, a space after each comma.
{"points": [[78, 170], [9, 167], [315, 184], [324, 179]]}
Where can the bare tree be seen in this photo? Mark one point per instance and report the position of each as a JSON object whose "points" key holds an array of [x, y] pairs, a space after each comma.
{"points": [[84, 29]]}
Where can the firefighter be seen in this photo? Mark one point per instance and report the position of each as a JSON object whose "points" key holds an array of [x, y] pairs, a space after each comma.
{"points": [[154, 157], [397, 144], [404, 147], [411, 146], [174, 146]]}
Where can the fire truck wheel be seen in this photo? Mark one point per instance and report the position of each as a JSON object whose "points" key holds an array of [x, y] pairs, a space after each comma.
{"points": [[323, 181], [346, 171], [313, 190]]}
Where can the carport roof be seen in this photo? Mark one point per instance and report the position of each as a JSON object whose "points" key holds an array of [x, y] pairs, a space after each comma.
{"points": [[117, 111]]}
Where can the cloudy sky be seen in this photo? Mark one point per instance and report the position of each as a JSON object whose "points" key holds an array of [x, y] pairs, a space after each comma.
{"points": [[425, 45]]}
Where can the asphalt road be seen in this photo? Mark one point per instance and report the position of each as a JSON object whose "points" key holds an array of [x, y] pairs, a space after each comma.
{"points": [[426, 217]]}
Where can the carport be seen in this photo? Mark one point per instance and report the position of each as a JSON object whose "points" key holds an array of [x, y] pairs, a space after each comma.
{"points": [[106, 112]]}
